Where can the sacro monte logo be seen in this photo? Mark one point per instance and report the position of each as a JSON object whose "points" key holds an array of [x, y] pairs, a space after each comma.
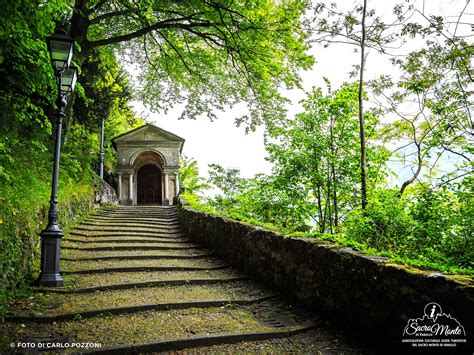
{"points": [[434, 329]]}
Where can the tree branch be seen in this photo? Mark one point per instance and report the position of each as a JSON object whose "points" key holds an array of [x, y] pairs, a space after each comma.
{"points": [[171, 23]]}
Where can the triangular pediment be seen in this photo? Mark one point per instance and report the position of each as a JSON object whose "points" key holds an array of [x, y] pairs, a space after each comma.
{"points": [[146, 133]]}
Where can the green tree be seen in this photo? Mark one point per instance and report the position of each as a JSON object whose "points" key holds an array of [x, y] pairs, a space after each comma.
{"points": [[191, 183], [431, 105], [361, 27], [257, 200], [315, 153], [28, 92], [207, 54]]}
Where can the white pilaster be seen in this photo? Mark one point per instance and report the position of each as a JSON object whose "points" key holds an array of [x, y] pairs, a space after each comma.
{"points": [[176, 184], [119, 187], [166, 194], [130, 187]]}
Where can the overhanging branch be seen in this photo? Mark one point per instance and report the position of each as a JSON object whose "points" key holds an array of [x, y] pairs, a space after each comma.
{"points": [[171, 23]]}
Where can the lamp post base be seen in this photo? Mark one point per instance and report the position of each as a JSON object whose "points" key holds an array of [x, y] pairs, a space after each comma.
{"points": [[50, 239]]}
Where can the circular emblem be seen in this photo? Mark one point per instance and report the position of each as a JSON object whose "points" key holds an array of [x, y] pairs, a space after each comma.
{"points": [[432, 310]]}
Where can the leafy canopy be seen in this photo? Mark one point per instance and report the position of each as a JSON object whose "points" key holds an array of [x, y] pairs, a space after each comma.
{"points": [[206, 54]]}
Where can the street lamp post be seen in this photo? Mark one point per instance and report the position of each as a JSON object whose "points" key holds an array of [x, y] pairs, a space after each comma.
{"points": [[60, 46], [101, 163]]}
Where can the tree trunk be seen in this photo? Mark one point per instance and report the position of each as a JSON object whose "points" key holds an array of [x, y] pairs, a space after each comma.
{"points": [[363, 173], [334, 196], [333, 172], [79, 28], [416, 173], [328, 203], [322, 226]]}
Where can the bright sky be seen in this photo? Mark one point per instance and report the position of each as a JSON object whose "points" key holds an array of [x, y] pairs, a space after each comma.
{"points": [[223, 143]]}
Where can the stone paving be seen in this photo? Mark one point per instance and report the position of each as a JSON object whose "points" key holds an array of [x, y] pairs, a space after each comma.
{"points": [[135, 283]]}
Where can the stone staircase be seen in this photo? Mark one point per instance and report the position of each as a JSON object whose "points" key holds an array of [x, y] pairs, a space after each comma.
{"points": [[135, 283]]}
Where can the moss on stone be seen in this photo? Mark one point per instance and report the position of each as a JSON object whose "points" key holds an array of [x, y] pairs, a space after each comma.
{"points": [[408, 268], [462, 279]]}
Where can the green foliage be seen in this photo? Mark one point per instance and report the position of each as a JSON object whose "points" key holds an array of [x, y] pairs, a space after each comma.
{"points": [[385, 224], [428, 228], [27, 114], [106, 95], [191, 183], [208, 55], [316, 155], [312, 191], [256, 200], [24, 214]]}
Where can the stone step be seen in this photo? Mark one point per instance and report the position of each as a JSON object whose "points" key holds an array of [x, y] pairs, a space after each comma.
{"points": [[115, 278], [127, 229], [109, 270], [147, 221], [201, 344], [82, 314], [139, 219], [144, 284], [123, 330], [89, 240], [144, 255], [129, 246], [147, 214], [58, 303], [147, 263], [127, 234], [115, 224], [121, 216], [109, 242], [140, 208]]}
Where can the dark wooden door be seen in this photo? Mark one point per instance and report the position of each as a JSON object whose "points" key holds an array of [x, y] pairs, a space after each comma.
{"points": [[149, 185]]}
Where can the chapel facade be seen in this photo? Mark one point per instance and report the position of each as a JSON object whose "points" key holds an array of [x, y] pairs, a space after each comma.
{"points": [[147, 171]]}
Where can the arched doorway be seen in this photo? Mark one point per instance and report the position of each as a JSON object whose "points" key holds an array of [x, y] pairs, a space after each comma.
{"points": [[149, 185]]}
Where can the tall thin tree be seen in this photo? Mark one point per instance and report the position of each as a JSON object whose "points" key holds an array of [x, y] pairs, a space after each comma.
{"points": [[363, 154]]}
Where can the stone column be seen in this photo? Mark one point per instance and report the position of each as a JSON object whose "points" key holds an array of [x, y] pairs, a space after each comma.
{"points": [[130, 188], [119, 187], [166, 201], [176, 185]]}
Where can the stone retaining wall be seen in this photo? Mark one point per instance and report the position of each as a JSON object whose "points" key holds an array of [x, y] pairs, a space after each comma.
{"points": [[364, 292]]}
